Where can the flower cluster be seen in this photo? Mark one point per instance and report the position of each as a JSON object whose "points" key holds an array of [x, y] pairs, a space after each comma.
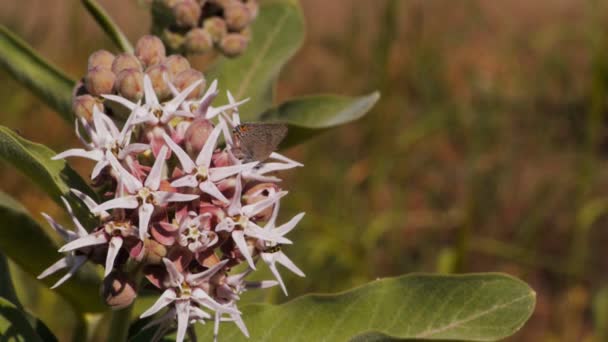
{"points": [[123, 75], [202, 26], [179, 206]]}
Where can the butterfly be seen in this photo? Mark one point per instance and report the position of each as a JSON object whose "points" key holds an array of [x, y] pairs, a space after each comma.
{"points": [[255, 141]]}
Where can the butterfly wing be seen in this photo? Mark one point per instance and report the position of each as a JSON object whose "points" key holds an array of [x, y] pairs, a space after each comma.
{"points": [[258, 140]]}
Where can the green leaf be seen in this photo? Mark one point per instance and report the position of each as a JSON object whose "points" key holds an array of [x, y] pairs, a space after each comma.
{"points": [[26, 244], [477, 307], [43, 79], [14, 325], [24, 241], [107, 25], [277, 34], [7, 290], [55, 177], [311, 115]]}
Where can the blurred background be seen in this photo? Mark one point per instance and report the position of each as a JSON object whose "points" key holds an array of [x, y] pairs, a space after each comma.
{"points": [[487, 151]]}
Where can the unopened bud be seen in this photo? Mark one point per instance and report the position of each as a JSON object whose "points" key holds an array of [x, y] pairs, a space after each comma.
{"points": [[187, 13], [187, 77], [155, 252], [234, 44], [253, 7], [198, 41], [171, 3], [150, 50], [100, 59], [176, 64], [100, 81], [118, 290], [216, 27], [258, 193], [196, 135], [130, 84], [83, 106], [173, 40], [237, 15], [159, 84], [125, 61]]}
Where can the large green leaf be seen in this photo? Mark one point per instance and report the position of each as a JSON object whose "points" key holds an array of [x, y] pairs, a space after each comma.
{"points": [[14, 325], [7, 290], [26, 244], [477, 307], [44, 80], [55, 177], [107, 25], [277, 34], [311, 115]]}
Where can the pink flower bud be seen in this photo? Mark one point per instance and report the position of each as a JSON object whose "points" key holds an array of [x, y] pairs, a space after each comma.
{"points": [[237, 15], [234, 44], [118, 290], [100, 81], [216, 27], [222, 159], [176, 64], [198, 41], [159, 84], [173, 40], [187, 13], [258, 193], [155, 252], [100, 59], [130, 84], [185, 78], [208, 259], [125, 61], [196, 135], [83, 106], [253, 7], [150, 50]]}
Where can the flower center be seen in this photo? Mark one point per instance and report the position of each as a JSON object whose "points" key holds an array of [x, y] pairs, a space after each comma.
{"points": [[144, 195], [201, 174], [184, 291], [114, 228]]}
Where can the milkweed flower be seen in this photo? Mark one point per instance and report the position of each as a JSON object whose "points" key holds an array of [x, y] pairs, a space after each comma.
{"points": [[177, 200]]}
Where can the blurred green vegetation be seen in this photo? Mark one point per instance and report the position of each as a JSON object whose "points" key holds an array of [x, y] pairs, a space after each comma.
{"points": [[487, 151]]}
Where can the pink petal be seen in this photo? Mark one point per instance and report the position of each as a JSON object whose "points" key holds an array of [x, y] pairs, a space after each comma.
{"points": [[113, 249], [165, 299], [176, 278], [86, 241], [163, 197], [204, 157], [185, 160], [78, 261], [219, 173], [186, 181], [210, 188], [150, 95], [102, 164], [132, 183], [127, 202], [182, 307], [153, 179], [96, 155], [145, 213], [239, 239]]}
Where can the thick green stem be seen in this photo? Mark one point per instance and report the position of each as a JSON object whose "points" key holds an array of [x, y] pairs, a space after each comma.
{"points": [[119, 324]]}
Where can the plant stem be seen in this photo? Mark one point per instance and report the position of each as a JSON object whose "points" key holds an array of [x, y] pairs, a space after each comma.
{"points": [[81, 328], [119, 324]]}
